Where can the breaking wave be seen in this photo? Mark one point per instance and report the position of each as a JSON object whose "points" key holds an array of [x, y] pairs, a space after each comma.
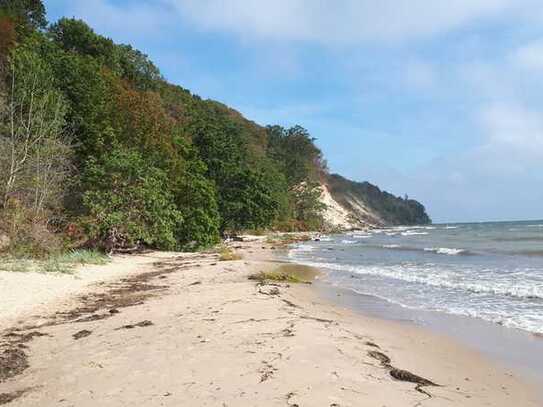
{"points": [[439, 278]]}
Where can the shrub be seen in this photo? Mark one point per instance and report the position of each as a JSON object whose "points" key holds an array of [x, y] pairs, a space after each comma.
{"points": [[28, 234]]}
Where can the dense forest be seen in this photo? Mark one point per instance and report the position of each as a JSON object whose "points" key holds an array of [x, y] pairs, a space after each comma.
{"points": [[97, 148]]}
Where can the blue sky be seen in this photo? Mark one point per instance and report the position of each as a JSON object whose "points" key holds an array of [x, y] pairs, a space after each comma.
{"points": [[439, 100]]}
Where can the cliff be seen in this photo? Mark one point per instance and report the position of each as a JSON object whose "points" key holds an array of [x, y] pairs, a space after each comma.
{"points": [[353, 205]]}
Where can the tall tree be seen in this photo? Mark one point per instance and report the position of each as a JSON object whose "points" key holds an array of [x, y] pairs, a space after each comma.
{"points": [[28, 14], [34, 150]]}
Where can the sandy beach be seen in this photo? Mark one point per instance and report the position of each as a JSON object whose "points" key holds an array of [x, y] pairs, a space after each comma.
{"points": [[171, 329]]}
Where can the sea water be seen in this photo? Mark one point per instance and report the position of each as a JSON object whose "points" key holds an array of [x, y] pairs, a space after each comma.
{"points": [[490, 271]]}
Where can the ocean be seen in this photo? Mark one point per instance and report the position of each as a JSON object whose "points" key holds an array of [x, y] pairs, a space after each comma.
{"points": [[489, 271]]}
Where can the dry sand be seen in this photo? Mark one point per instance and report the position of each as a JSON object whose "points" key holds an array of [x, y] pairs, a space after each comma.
{"points": [[188, 330]]}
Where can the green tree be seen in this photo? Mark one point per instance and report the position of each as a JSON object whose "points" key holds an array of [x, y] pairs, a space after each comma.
{"points": [[138, 69], [28, 14], [76, 36], [196, 199], [295, 150], [129, 201], [34, 151], [247, 202]]}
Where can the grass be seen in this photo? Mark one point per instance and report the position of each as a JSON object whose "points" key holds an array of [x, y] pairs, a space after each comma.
{"points": [[227, 254], [54, 265], [15, 265], [63, 263], [83, 257]]}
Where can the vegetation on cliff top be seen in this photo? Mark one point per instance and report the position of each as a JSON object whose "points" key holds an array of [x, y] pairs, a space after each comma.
{"points": [[97, 148]]}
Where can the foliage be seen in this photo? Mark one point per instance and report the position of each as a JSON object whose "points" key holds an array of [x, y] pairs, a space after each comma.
{"points": [[27, 14], [8, 37], [301, 160], [84, 257], [28, 234], [66, 262], [308, 207], [129, 199], [138, 69], [77, 37], [34, 152], [101, 140], [63, 263], [196, 198]]}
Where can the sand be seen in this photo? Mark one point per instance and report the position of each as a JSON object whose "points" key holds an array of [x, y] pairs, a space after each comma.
{"points": [[189, 330], [22, 293]]}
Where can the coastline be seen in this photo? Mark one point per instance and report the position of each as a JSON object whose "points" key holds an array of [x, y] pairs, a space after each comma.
{"points": [[187, 329], [511, 348]]}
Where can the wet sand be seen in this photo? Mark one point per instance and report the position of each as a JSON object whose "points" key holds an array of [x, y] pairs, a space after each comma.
{"points": [[519, 350], [189, 330]]}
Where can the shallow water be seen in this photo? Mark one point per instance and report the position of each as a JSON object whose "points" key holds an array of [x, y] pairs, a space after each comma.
{"points": [[489, 271], [514, 348]]}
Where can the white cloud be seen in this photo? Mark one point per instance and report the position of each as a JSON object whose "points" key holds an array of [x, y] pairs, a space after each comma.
{"points": [[343, 21]]}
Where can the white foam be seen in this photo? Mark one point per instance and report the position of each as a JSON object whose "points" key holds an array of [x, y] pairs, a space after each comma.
{"points": [[346, 241], [442, 278], [391, 246], [412, 233], [444, 250], [300, 248]]}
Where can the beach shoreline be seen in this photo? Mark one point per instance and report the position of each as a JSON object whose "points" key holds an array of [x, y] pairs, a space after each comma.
{"points": [[188, 329], [509, 347]]}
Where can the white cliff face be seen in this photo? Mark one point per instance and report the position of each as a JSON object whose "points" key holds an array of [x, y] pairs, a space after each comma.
{"points": [[338, 217], [334, 215]]}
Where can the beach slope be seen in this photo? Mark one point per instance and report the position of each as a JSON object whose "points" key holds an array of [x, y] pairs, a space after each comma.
{"points": [[190, 330]]}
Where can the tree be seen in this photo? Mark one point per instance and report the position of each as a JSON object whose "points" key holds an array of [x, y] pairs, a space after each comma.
{"points": [[308, 207], [8, 38], [247, 201], [76, 36], [129, 201], [138, 69], [295, 149], [35, 152], [28, 14], [196, 199]]}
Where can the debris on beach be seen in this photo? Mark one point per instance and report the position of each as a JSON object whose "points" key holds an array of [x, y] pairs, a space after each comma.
{"points": [[81, 334], [141, 324]]}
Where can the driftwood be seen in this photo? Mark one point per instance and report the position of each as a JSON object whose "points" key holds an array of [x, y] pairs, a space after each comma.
{"points": [[402, 375]]}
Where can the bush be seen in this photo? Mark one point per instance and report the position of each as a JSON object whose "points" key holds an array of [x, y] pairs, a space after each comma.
{"points": [[129, 202], [27, 233]]}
